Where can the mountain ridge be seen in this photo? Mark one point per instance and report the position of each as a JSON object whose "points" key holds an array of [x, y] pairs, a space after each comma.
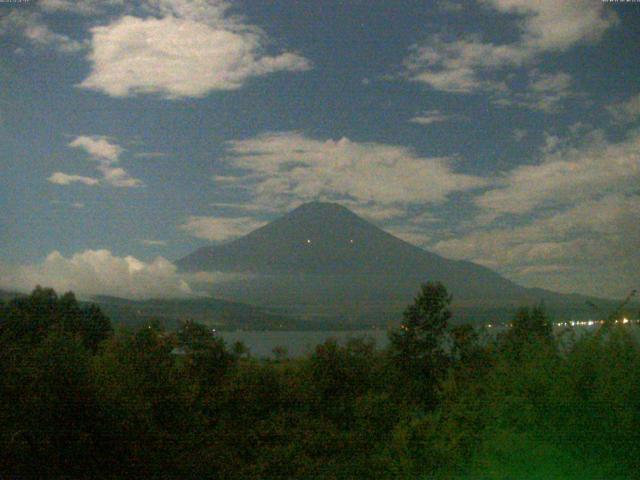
{"points": [[322, 257]]}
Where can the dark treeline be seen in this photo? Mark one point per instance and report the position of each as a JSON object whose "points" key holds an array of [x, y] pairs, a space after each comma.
{"points": [[78, 400]]}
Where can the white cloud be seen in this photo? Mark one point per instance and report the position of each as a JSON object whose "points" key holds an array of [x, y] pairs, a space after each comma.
{"points": [[290, 167], [566, 175], [454, 66], [219, 229], [627, 111], [31, 25], [410, 234], [247, 207], [117, 176], [81, 7], [550, 25], [469, 64], [373, 211], [227, 179], [107, 156], [545, 92], [193, 49], [40, 34], [519, 134], [434, 116], [98, 147], [151, 155], [153, 243], [60, 178], [99, 272], [573, 218], [592, 244]]}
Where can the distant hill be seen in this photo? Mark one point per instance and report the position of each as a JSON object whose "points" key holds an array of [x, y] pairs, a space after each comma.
{"points": [[219, 314], [323, 261]]}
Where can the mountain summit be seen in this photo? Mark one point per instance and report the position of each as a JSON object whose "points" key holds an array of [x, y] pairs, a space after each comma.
{"points": [[321, 256], [322, 238], [314, 238]]}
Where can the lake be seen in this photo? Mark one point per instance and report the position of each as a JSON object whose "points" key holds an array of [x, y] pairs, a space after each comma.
{"points": [[297, 343], [300, 343]]}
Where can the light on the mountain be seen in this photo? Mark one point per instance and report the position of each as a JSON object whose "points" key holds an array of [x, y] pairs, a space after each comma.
{"points": [[351, 241], [308, 240]]}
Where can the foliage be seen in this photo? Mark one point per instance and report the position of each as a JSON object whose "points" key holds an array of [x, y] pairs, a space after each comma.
{"points": [[417, 346], [80, 401]]}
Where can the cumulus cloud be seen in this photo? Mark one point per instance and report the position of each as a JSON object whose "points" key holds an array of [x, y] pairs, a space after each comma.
{"points": [[107, 156], [469, 64], [219, 229], [60, 178], [288, 167], [186, 49], [567, 175], [98, 147], [99, 272]]}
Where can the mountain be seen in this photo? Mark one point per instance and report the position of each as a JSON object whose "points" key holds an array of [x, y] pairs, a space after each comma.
{"points": [[322, 260]]}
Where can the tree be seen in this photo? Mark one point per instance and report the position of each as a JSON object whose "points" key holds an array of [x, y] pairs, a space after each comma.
{"points": [[28, 320], [48, 410], [207, 358], [464, 343], [416, 347], [528, 326]]}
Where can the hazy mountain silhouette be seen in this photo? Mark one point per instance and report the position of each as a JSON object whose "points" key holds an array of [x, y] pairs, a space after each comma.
{"points": [[322, 259]]}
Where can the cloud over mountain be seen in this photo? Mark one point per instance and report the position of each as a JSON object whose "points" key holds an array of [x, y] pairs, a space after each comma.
{"points": [[289, 167], [218, 229]]}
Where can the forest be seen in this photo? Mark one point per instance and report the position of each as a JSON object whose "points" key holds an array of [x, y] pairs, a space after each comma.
{"points": [[79, 399]]}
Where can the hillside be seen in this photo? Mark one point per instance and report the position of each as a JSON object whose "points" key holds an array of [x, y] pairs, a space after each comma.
{"points": [[323, 261]]}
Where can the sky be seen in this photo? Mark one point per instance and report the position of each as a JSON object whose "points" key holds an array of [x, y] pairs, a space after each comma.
{"points": [[505, 132]]}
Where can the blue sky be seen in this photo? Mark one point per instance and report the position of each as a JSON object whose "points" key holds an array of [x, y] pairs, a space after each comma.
{"points": [[505, 132]]}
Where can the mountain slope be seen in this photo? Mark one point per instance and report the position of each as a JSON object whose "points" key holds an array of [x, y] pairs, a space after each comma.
{"points": [[322, 259], [328, 239]]}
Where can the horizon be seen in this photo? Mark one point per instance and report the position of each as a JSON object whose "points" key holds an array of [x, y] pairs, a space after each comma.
{"points": [[506, 134]]}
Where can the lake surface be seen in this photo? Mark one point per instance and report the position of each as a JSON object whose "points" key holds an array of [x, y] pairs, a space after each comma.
{"points": [[300, 343], [297, 343]]}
